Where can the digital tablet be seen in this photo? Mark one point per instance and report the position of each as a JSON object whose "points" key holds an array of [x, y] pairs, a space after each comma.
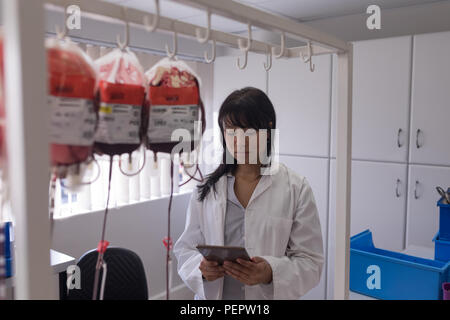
{"points": [[223, 253]]}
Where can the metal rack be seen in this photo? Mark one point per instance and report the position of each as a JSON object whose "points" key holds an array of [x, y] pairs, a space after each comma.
{"points": [[26, 122]]}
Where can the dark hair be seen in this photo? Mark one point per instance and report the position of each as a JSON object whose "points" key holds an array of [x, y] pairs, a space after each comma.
{"points": [[245, 108]]}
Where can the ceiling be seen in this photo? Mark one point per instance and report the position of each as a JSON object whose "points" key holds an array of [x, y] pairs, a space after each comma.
{"points": [[301, 10]]}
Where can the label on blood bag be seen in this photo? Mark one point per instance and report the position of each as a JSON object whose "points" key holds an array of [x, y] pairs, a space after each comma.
{"points": [[72, 121], [165, 119], [118, 123]]}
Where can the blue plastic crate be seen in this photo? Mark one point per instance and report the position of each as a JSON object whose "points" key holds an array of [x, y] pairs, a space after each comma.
{"points": [[7, 241], [391, 275], [8, 267], [444, 220], [441, 249]]}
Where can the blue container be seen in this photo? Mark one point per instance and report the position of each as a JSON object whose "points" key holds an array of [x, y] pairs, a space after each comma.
{"points": [[391, 275], [441, 249], [7, 243], [9, 268], [444, 220]]}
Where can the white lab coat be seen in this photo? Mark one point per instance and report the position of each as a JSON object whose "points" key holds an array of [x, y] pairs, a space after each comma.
{"points": [[281, 225]]}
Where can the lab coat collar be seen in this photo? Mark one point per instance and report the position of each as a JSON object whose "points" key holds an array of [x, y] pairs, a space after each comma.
{"points": [[222, 196]]}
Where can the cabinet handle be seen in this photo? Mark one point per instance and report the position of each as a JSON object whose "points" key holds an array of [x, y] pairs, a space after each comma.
{"points": [[397, 192], [415, 190], [417, 138], [398, 137]]}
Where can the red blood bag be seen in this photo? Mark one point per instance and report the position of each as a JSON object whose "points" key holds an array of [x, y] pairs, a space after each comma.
{"points": [[122, 103], [72, 87], [175, 103]]}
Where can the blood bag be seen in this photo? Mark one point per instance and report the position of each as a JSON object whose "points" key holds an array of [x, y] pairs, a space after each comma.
{"points": [[175, 104], [122, 111], [72, 103]]}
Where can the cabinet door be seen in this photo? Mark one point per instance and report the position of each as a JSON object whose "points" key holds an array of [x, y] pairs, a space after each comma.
{"points": [[227, 76], [316, 172], [378, 203], [381, 94], [423, 214], [303, 104], [430, 116]]}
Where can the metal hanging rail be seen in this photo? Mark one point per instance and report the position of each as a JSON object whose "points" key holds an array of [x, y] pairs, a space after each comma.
{"points": [[137, 17]]}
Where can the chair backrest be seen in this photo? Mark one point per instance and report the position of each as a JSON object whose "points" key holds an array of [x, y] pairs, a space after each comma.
{"points": [[125, 276]]}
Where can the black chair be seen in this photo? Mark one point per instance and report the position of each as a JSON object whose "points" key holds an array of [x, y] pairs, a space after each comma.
{"points": [[125, 276]]}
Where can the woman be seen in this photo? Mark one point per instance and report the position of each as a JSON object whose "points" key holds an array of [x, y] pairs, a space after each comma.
{"points": [[274, 216]]}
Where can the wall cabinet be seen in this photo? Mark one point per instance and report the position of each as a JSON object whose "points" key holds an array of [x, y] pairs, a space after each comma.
{"points": [[381, 95], [430, 105], [423, 213], [378, 203]]}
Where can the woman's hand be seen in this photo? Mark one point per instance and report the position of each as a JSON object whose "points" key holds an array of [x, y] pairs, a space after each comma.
{"points": [[211, 270], [256, 271]]}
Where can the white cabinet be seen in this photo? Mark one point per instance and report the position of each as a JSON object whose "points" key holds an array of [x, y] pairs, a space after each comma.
{"points": [[316, 172], [227, 76], [423, 213], [303, 104], [378, 203], [430, 115], [381, 94]]}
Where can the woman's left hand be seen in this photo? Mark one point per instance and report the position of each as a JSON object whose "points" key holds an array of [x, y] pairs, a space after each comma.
{"points": [[256, 271]]}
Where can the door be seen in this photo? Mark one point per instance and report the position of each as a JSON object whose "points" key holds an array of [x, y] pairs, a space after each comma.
{"points": [[315, 170], [430, 112], [423, 213], [381, 94], [303, 105]]}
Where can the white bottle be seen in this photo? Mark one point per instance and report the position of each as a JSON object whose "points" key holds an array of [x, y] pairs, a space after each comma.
{"points": [[165, 174], [83, 203], [135, 193], [155, 177], [176, 173], [144, 176], [122, 181], [98, 186]]}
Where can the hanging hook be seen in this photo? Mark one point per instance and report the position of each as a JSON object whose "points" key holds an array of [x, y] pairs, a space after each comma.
{"points": [[62, 34], [309, 57], [172, 54], [151, 26], [120, 44], [283, 46], [213, 58], [198, 31], [268, 64], [249, 39], [246, 48], [245, 61]]}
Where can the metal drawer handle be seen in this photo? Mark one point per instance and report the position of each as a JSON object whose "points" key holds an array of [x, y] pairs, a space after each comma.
{"points": [[397, 192], [398, 137], [417, 138], [415, 190]]}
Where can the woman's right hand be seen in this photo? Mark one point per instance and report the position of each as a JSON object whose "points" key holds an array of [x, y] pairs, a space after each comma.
{"points": [[211, 270]]}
